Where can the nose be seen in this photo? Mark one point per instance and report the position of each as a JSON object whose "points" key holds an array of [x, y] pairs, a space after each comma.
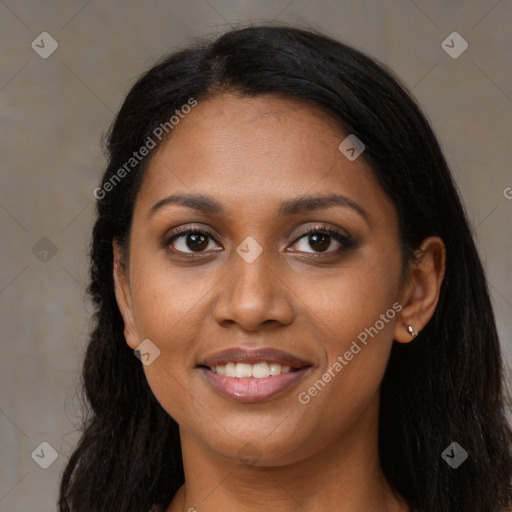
{"points": [[253, 296]]}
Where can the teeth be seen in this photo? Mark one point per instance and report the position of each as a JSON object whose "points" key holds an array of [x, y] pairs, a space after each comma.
{"points": [[275, 369], [229, 369], [244, 370], [260, 371]]}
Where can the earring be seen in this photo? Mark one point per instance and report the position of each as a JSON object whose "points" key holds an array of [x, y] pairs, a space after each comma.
{"points": [[411, 331]]}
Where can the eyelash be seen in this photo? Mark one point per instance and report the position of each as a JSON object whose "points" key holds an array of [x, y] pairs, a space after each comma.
{"points": [[346, 241]]}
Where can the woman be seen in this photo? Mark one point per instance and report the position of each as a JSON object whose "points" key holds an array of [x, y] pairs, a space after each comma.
{"points": [[280, 244]]}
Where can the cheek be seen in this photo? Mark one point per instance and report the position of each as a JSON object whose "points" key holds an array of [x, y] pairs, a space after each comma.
{"points": [[169, 309], [353, 299], [355, 312], [357, 346], [168, 301]]}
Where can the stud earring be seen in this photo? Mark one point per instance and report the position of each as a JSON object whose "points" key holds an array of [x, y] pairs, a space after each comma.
{"points": [[411, 331]]}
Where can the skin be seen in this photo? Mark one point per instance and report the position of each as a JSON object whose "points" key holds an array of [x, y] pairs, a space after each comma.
{"points": [[250, 154]]}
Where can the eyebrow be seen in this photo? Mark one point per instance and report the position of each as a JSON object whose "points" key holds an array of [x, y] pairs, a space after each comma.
{"points": [[209, 205]]}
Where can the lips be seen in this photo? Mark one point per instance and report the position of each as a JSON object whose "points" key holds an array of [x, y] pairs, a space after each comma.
{"points": [[251, 389], [253, 356]]}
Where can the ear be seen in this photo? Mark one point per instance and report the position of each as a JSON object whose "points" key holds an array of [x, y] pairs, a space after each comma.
{"points": [[124, 296], [420, 294]]}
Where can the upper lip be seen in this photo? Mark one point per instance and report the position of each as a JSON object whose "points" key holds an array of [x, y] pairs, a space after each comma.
{"points": [[253, 356]]}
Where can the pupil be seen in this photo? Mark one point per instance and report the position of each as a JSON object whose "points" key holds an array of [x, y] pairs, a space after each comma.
{"points": [[196, 242], [321, 240]]}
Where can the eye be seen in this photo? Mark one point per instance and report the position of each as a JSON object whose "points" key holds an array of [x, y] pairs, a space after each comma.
{"points": [[314, 240], [320, 240], [190, 240]]}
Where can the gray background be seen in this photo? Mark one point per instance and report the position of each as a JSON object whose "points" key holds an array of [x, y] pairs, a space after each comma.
{"points": [[54, 110]]}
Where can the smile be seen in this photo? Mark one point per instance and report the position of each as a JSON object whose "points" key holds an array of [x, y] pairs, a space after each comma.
{"points": [[252, 375], [257, 371]]}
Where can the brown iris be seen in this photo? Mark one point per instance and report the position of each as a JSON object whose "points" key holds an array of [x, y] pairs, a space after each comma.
{"points": [[319, 242], [197, 241]]}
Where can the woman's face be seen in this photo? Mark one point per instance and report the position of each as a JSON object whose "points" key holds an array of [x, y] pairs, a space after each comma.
{"points": [[251, 278]]}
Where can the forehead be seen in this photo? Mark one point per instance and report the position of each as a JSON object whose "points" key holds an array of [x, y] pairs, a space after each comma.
{"points": [[255, 150]]}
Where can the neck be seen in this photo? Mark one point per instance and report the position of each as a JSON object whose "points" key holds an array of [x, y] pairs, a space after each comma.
{"points": [[344, 475]]}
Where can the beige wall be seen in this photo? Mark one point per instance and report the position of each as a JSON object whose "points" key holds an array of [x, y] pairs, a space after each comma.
{"points": [[54, 110]]}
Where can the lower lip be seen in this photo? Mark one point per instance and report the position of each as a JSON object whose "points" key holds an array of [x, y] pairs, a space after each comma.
{"points": [[250, 390]]}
